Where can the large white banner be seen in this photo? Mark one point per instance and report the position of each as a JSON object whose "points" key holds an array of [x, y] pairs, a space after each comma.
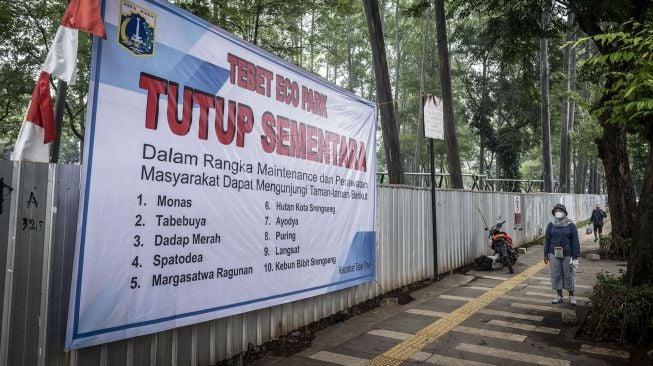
{"points": [[218, 179]]}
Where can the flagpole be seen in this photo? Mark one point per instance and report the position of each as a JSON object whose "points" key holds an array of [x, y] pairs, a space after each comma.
{"points": [[59, 109], [60, 105]]}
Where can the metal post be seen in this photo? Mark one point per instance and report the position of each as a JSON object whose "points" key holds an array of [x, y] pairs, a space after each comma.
{"points": [[59, 108], [9, 266], [433, 213], [51, 211]]}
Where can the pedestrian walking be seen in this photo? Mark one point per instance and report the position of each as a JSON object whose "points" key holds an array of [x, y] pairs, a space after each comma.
{"points": [[597, 220], [561, 252]]}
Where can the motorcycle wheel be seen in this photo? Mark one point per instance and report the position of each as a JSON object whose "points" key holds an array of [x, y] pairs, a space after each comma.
{"points": [[507, 261], [514, 255], [509, 265]]}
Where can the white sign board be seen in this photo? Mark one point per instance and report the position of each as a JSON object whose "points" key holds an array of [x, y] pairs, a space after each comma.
{"points": [[433, 118], [517, 206], [218, 179]]}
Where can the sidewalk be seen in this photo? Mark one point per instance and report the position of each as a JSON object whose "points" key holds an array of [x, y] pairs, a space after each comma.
{"points": [[475, 319]]}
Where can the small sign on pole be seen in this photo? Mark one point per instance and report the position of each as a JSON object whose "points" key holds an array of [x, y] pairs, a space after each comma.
{"points": [[517, 201], [433, 129], [433, 118]]}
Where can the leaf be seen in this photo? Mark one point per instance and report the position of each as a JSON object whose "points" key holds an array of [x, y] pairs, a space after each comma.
{"points": [[629, 107], [615, 57], [628, 56], [630, 91]]}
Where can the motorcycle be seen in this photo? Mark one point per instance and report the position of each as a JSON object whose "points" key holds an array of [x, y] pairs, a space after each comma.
{"points": [[504, 254]]}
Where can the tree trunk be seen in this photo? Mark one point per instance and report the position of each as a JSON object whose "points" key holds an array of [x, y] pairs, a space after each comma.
{"points": [[382, 16], [544, 90], [420, 118], [312, 38], [578, 177], [572, 107], [350, 66], [641, 253], [592, 184], [384, 93], [583, 178], [453, 158], [612, 148], [257, 22], [482, 117], [567, 111], [612, 145], [397, 61]]}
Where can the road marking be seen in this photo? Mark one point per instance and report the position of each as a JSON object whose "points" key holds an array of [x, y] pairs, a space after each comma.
{"points": [[495, 278], [460, 329], [478, 288], [490, 333], [421, 356], [402, 351], [437, 314], [541, 308], [457, 298], [577, 285], [507, 314], [604, 351], [533, 293], [390, 334], [547, 287], [522, 298], [542, 278], [339, 359], [450, 361], [529, 327], [512, 355]]}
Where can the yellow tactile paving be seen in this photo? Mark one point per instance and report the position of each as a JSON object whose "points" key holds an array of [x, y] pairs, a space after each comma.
{"points": [[402, 351]]}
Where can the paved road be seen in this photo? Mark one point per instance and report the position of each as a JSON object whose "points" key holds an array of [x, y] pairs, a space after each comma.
{"points": [[476, 319]]}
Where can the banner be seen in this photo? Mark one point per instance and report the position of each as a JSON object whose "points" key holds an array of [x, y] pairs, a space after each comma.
{"points": [[218, 179]]}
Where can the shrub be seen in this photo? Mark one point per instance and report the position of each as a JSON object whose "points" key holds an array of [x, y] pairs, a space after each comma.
{"points": [[614, 247], [620, 310], [583, 223]]}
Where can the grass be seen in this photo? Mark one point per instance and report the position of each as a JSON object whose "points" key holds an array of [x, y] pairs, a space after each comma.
{"points": [[583, 223]]}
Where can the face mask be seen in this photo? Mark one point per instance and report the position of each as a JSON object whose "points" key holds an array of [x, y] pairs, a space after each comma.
{"points": [[559, 215]]}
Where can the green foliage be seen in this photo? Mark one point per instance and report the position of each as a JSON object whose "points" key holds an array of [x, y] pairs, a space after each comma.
{"points": [[628, 68], [619, 310], [583, 223], [538, 241], [498, 109], [614, 247], [27, 30]]}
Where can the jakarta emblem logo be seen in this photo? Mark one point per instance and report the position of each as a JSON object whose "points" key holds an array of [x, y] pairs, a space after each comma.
{"points": [[137, 29]]}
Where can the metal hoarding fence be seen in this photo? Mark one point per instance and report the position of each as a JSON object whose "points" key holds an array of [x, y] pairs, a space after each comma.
{"points": [[37, 230]]}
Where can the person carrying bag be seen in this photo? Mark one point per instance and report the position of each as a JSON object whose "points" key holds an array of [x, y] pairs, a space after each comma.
{"points": [[597, 221], [561, 252]]}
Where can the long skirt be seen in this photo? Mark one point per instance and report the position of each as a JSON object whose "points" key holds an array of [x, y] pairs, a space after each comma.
{"points": [[563, 275]]}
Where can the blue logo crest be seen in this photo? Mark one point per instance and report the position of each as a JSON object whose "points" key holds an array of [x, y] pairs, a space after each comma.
{"points": [[137, 29]]}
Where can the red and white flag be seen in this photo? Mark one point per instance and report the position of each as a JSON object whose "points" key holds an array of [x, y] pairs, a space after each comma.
{"points": [[84, 15], [38, 129], [62, 56]]}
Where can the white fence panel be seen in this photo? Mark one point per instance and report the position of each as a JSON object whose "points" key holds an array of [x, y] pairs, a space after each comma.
{"points": [[404, 255]]}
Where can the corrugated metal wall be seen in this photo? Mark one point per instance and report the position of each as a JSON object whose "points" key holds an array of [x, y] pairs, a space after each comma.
{"points": [[39, 218]]}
